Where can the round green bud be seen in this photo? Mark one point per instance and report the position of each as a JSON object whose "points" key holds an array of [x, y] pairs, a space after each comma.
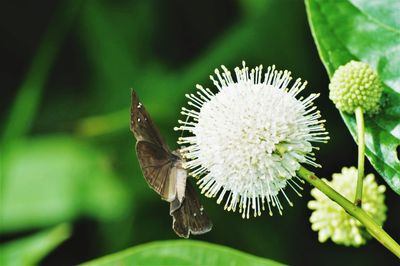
{"points": [[353, 85]]}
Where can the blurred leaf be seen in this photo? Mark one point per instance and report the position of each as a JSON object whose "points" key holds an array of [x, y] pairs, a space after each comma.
{"points": [[49, 180], [155, 82], [366, 31], [181, 252], [26, 103], [253, 7], [32, 249], [115, 55]]}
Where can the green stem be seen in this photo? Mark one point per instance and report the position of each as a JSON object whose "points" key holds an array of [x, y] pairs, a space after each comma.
{"points": [[373, 228], [103, 124], [361, 158]]}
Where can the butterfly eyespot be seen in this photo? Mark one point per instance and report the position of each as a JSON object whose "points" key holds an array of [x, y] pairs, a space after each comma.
{"points": [[194, 214], [139, 105], [138, 119]]}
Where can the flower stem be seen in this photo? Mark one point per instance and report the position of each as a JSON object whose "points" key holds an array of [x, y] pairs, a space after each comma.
{"points": [[373, 228], [102, 124], [361, 158]]}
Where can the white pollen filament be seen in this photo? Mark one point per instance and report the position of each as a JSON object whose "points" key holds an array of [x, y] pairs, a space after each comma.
{"points": [[246, 140]]}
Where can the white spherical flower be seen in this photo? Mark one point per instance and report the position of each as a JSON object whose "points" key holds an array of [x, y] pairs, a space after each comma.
{"points": [[332, 221], [248, 138]]}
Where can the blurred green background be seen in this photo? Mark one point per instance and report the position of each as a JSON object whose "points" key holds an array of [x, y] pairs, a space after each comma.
{"points": [[67, 154]]}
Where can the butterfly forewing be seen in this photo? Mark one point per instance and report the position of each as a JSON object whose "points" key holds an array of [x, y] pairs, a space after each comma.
{"points": [[190, 217], [142, 125]]}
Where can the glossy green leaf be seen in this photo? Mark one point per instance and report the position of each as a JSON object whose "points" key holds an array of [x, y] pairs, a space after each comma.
{"points": [[366, 31], [55, 179], [32, 249], [181, 252]]}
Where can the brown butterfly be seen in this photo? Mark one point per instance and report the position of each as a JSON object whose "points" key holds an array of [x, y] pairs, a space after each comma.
{"points": [[163, 170]]}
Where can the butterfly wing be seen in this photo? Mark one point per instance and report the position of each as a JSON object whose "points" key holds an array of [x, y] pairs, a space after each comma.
{"points": [[164, 173], [156, 167], [190, 217], [142, 126], [161, 168]]}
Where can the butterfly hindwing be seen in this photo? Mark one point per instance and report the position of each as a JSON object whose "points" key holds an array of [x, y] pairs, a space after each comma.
{"points": [[190, 217], [158, 169]]}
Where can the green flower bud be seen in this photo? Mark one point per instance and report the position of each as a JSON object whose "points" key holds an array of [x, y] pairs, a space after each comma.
{"points": [[332, 221], [353, 85]]}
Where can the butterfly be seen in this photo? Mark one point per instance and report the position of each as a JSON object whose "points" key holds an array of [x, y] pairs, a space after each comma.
{"points": [[164, 172]]}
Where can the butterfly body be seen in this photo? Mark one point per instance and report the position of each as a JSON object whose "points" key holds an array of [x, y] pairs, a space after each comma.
{"points": [[164, 172]]}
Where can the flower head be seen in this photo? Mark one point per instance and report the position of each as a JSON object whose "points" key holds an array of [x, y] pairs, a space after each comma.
{"points": [[332, 221], [354, 85], [247, 139]]}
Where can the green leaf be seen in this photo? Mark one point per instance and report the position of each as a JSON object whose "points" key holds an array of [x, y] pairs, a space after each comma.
{"points": [[366, 31], [181, 252], [55, 179], [32, 249]]}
